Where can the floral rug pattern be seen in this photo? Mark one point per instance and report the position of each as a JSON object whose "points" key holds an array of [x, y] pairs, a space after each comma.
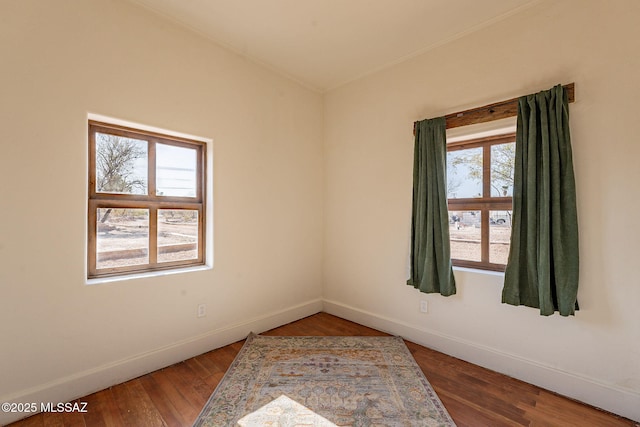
{"points": [[350, 381]]}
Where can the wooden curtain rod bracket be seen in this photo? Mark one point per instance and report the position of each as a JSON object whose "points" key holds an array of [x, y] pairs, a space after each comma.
{"points": [[491, 112]]}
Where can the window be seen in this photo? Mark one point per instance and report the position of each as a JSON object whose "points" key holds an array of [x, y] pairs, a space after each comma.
{"points": [[146, 201], [479, 191]]}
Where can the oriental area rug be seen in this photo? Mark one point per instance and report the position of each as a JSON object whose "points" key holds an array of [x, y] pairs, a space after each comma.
{"points": [[324, 382]]}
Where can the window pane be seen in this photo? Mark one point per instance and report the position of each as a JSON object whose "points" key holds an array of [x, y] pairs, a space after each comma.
{"points": [[175, 171], [502, 162], [177, 234], [122, 237], [464, 173], [465, 235], [499, 236], [121, 164]]}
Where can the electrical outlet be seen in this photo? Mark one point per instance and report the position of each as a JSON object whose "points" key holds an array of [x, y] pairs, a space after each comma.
{"points": [[424, 307], [202, 310]]}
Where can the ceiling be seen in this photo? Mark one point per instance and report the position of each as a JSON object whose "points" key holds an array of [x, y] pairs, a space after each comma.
{"points": [[326, 43]]}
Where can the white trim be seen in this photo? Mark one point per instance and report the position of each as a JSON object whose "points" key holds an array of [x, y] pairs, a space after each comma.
{"points": [[478, 271], [145, 274], [101, 377], [576, 386], [482, 130]]}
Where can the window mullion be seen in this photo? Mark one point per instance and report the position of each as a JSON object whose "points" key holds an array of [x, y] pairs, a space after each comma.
{"points": [[200, 182], [484, 235], [486, 193], [153, 235], [151, 173], [201, 233], [153, 210], [486, 171]]}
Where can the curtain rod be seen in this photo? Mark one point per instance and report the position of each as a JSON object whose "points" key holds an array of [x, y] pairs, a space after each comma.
{"points": [[491, 112]]}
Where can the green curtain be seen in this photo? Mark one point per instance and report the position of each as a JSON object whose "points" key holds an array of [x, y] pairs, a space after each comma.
{"points": [[430, 252], [542, 270]]}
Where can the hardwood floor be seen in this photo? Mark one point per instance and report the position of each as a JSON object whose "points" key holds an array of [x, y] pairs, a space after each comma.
{"points": [[474, 396]]}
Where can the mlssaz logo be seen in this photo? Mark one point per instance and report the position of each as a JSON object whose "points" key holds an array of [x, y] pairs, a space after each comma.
{"points": [[64, 407]]}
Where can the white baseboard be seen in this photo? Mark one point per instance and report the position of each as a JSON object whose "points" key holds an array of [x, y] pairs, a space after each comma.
{"points": [[101, 377], [591, 391]]}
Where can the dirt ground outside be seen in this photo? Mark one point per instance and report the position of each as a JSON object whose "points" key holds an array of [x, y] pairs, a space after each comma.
{"points": [[465, 242], [123, 240]]}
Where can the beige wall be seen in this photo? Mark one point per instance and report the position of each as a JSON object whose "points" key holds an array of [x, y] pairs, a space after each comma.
{"points": [[60, 61], [594, 356]]}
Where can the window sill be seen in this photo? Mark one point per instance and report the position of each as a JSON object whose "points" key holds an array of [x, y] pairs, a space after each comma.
{"points": [[479, 271], [146, 275]]}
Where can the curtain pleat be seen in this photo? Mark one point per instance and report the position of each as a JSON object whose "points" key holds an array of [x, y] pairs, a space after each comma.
{"points": [[431, 270], [542, 270]]}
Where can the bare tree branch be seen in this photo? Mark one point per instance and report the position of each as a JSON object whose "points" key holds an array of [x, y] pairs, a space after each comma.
{"points": [[116, 158]]}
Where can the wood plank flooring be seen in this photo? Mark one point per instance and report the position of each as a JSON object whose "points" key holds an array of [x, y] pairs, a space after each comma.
{"points": [[474, 396]]}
